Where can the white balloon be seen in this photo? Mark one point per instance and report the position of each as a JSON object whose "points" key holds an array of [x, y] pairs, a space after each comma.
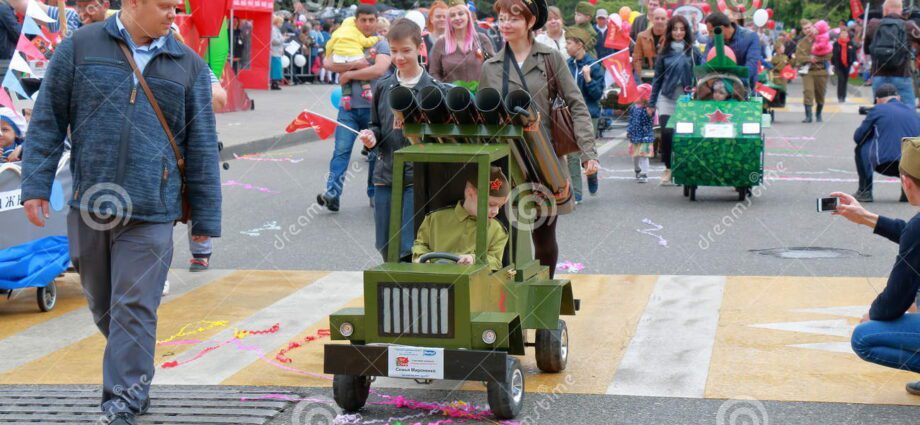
{"points": [[761, 17], [300, 60], [417, 17], [285, 61]]}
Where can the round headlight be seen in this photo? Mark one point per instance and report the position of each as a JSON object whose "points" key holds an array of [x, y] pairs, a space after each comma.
{"points": [[346, 329], [488, 336]]}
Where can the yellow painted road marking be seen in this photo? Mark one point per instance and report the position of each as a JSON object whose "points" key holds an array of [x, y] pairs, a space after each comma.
{"points": [[232, 298]]}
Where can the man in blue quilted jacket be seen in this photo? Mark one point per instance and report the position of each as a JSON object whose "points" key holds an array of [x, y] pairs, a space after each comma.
{"points": [[127, 182]]}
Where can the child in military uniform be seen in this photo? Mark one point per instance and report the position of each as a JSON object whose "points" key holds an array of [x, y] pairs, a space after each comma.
{"points": [[454, 229]]}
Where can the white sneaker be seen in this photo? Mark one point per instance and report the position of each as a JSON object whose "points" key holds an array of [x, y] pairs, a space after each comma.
{"points": [[166, 288]]}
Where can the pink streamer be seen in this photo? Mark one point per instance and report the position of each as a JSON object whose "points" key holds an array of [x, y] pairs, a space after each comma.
{"points": [[248, 186]]}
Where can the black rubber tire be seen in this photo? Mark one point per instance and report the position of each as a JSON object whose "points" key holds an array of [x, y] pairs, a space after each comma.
{"points": [[742, 193], [693, 193], [686, 191], [47, 297], [506, 398], [350, 391], [552, 348]]}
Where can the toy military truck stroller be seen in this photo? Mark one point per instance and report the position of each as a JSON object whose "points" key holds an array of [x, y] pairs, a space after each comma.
{"points": [[719, 142], [436, 321]]}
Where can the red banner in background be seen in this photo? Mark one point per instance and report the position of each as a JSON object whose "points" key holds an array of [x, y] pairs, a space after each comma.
{"points": [[857, 8], [268, 5], [618, 67]]}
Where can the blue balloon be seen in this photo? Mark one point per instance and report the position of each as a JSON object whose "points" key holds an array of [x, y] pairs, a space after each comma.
{"points": [[336, 97]]}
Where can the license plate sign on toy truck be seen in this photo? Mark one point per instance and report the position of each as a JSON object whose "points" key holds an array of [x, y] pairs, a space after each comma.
{"points": [[719, 131], [415, 362]]}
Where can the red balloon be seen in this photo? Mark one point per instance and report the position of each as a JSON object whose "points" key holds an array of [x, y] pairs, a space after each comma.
{"points": [[670, 13], [728, 52], [770, 13], [706, 8], [594, 2], [771, 24], [208, 16], [756, 4], [367, 1]]}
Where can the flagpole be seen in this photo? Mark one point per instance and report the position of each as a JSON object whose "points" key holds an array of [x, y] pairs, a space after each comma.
{"points": [[62, 16], [330, 119]]}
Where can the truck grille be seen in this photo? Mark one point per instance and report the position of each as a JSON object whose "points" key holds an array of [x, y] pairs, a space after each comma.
{"points": [[418, 309]]}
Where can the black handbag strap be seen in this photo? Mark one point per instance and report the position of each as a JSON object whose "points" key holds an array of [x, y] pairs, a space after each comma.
{"points": [[510, 60]]}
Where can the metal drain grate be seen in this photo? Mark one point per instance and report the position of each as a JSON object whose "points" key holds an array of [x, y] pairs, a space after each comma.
{"points": [[809, 253], [62, 405]]}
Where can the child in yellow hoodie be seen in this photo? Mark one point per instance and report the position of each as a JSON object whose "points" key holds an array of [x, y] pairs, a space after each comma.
{"points": [[347, 45]]}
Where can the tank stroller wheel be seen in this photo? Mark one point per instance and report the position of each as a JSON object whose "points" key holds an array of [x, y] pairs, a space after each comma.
{"points": [[47, 297], [350, 391], [742, 193], [553, 348], [506, 397]]}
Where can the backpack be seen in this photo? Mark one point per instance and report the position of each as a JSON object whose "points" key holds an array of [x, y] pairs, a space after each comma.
{"points": [[889, 48]]}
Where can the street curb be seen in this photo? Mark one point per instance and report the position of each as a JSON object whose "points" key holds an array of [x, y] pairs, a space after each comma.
{"points": [[268, 144]]}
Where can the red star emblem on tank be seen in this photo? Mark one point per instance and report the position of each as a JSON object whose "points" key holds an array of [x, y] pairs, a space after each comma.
{"points": [[719, 117]]}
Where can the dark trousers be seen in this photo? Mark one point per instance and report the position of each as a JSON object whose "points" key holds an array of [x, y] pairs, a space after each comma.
{"points": [[865, 171], [122, 268], [843, 78], [667, 140]]}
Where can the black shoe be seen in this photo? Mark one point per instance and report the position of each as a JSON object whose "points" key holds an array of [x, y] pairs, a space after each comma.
{"points": [[807, 115], [863, 196], [913, 387], [145, 406], [332, 204], [122, 419], [818, 112]]}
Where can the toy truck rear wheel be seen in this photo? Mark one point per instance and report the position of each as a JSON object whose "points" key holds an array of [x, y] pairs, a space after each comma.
{"points": [[553, 348], [507, 397], [350, 391], [47, 297]]}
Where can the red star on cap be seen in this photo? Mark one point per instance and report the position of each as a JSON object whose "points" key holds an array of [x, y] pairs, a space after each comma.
{"points": [[718, 116]]}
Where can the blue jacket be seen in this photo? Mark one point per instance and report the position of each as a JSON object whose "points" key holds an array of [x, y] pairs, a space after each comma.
{"points": [[599, 47], [672, 70], [884, 127], [9, 31], [120, 144], [748, 51], [593, 91]]}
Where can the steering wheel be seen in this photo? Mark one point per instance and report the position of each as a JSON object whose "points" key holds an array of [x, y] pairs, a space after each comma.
{"points": [[441, 257]]}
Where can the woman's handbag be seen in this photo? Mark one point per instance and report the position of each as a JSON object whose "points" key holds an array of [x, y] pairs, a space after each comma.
{"points": [[562, 126]]}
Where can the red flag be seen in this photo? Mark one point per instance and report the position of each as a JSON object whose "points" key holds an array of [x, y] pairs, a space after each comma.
{"points": [[767, 92], [323, 126], [617, 36], [618, 67], [788, 73], [25, 46], [856, 8]]}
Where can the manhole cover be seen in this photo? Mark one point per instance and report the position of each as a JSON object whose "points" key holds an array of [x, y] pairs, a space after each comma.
{"points": [[808, 252]]}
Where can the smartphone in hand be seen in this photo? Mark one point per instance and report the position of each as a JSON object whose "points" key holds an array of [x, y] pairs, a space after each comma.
{"points": [[827, 204]]}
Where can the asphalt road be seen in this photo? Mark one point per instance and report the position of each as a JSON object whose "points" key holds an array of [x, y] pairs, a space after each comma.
{"points": [[615, 232]]}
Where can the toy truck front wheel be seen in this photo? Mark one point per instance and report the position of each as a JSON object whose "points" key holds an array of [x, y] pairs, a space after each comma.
{"points": [[506, 396], [350, 391], [552, 348]]}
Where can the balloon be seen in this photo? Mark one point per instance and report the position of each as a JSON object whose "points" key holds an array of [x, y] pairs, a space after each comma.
{"points": [[706, 8], [300, 60], [219, 51], [670, 13], [761, 17], [417, 17], [615, 20], [756, 4], [632, 16], [367, 1], [336, 97], [771, 24], [728, 53], [285, 61], [625, 11], [594, 2], [770, 12]]}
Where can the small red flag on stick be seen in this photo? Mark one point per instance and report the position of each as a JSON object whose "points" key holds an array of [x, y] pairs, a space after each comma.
{"points": [[323, 126]]}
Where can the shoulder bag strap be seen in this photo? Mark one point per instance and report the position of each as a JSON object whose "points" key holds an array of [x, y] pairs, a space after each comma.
{"points": [[511, 60], [180, 161]]}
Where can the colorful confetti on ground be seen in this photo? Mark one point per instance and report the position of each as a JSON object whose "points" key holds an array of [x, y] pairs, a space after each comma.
{"points": [[248, 186], [569, 267], [269, 225], [652, 232], [195, 328], [293, 345], [260, 157]]}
